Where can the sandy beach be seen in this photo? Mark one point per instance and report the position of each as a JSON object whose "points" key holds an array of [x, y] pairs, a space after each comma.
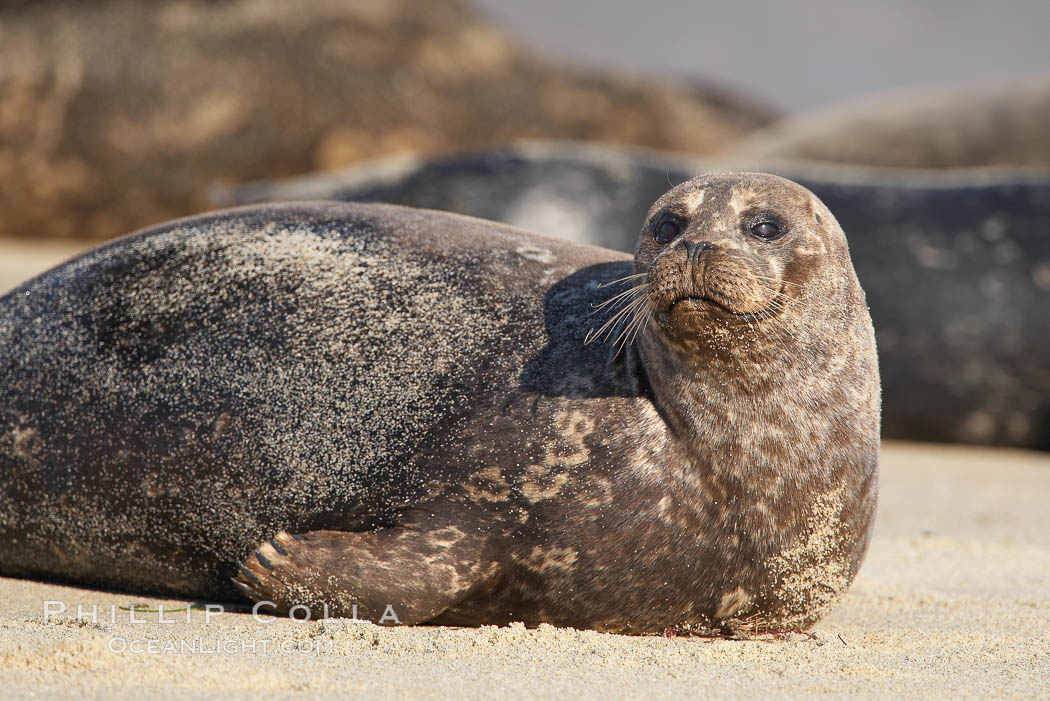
{"points": [[953, 600]]}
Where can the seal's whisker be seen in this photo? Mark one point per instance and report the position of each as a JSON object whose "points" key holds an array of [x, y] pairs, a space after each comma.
{"points": [[633, 276], [632, 308], [626, 293], [620, 298], [628, 305], [774, 324], [774, 307], [641, 316], [771, 320], [779, 281], [769, 316], [637, 309], [615, 319]]}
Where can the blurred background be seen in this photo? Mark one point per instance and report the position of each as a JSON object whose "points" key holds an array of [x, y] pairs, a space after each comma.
{"points": [[117, 114], [922, 125], [797, 55]]}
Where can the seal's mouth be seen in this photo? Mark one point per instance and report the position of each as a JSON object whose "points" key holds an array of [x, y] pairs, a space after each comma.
{"points": [[696, 303], [700, 306], [693, 302]]}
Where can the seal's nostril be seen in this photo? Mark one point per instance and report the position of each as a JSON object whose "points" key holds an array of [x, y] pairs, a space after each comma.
{"points": [[694, 249]]}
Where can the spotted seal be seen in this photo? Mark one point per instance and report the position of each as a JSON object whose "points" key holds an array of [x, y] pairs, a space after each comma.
{"points": [[357, 407]]}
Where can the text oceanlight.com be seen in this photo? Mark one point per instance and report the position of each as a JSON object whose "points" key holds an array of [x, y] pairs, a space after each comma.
{"points": [[200, 646]]}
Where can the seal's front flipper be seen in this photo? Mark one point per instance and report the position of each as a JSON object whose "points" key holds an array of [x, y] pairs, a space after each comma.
{"points": [[392, 575]]}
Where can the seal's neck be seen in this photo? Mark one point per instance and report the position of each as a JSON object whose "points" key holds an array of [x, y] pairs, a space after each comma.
{"points": [[784, 411]]}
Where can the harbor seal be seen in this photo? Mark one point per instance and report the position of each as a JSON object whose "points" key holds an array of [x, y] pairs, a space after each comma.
{"points": [[356, 408]]}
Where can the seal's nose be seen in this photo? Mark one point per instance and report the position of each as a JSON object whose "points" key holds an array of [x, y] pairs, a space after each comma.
{"points": [[693, 249]]}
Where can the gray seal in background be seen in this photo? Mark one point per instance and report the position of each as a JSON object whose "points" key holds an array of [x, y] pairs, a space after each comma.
{"points": [[956, 264], [978, 126], [575, 191], [402, 407]]}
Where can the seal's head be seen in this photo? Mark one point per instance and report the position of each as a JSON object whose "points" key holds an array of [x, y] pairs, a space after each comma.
{"points": [[725, 255]]}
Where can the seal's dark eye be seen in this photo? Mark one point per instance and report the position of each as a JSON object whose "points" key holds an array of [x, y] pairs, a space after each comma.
{"points": [[766, 229], [667, 229]]}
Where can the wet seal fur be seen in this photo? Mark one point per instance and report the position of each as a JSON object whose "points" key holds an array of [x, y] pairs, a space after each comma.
{"points": [[396, 407]]}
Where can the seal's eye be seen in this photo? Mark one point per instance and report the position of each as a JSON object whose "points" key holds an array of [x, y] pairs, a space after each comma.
{"points": [[667, 229], [766, 229]]}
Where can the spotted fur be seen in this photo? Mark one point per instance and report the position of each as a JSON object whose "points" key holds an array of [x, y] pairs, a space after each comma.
{"points": [[372, 406]]}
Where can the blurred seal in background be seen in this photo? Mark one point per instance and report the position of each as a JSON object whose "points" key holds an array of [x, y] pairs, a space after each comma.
{"points": [[117, 114], [984, 126]]}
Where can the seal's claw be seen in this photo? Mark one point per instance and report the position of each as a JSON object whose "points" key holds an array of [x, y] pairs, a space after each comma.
{"points": [[283, 570], [263, 559], [274, 553], [242, 587], [284, 538], [248, 575]]}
